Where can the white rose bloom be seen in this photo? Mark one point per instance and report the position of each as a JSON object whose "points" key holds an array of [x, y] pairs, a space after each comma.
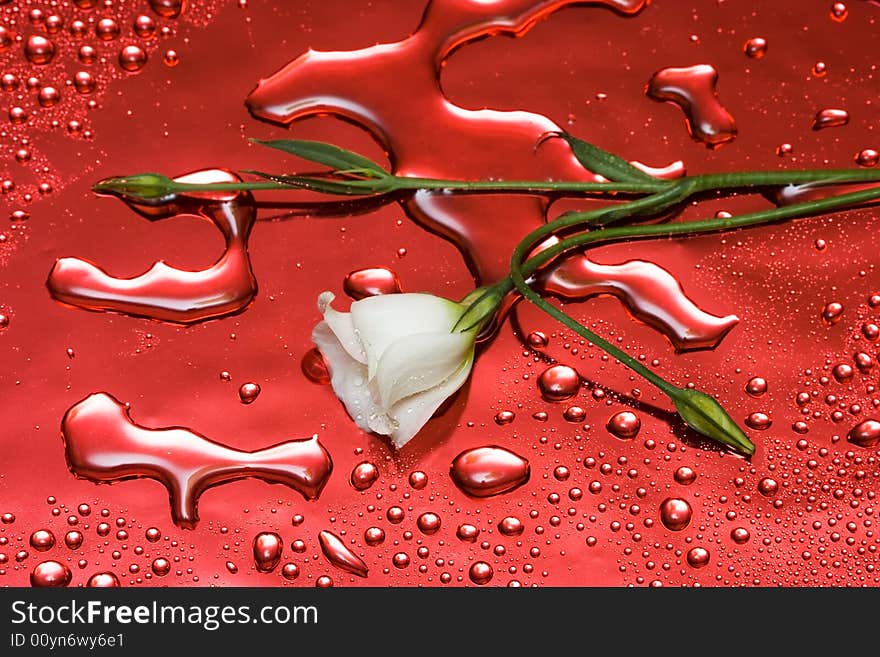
{"points": [[395, 358]]}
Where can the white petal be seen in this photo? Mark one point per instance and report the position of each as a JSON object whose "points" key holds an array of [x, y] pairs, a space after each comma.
{"points": [[342, 327], [418, 362], [348, 378], [412, 413], [381, 320]]}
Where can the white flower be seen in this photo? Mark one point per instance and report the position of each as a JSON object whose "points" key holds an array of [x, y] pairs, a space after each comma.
{"points": [[396, 357]]}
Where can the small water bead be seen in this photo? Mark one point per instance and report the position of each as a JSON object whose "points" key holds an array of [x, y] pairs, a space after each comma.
{"points": [[865, 434], [103, 581], [231, 567], [784, 150], [39, 50], [867, 157], [132, 58], [248, 392], [84, 509], [480, 573], [504, 417], [558, 383], [428, 523], [50, 574], [8, 82], [488, 471], [511, 526], [400, 560], [107, 29], [820, 69], [42, 540], [371, 282], [830, 118], [467, 533], [374, 536], [6, 39], [364, 475], [821, 245], [574, 414], [842, 372], [755, 48], [832, 312], [78, 29], [838, 12], [168, 8], [418, 480], [84, 82], [871, 331], [298, 546], [756, 386], [698, 557], [144, 27], [324, 582], [768, 487], [153, 534], [561, 473], [171, 58], [290, 571], [740, 535], [675, 513], [7, 518], [685, 476], [18, 115], [758, 421], [73, 539], [624, 425], [103, 529], [87, 54], [160, 566], [267, 549]]}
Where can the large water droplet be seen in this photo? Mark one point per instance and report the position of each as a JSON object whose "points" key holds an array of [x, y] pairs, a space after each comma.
{"points": [[624, 424], [768, 487], [490, 470], [42, 540], [428, 523], [675, 513], [364, 475], [559, 382], [865, 434], [698, 557], [103, 581], [268, 547], [50, 574], [830, 118], [339, 555], [480, 572], [248, 392], [511, 526], [371, 282], [756, 386], [168, 8], [39, 50]]}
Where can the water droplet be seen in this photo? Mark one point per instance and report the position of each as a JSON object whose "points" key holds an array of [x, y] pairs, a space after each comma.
{"points": [[50, 574], [756, 386], [103, 581], [758, 421], [42, 540], [574, 414], [268, 547], [865, 434], [324, 582], [624, 425], [290, 571], [842, 372], [161, 566], [504, 417], [168, 8], [693, 90], [756, 47], [867, 157], [838, 12], [39, 50], [248, 392], [428, 523], [559, 382], [84, 82], [832, 312], [6, 39], [871, 331], [338, 554], [364, 475], [418, 480], [73, 539], [374, 536], [314, 367], [145, 27], [107, 29], [830, 118], [511, 526], [740, 535], [537, 340], [467, 533], [132, 58], [561, 473], [7, 518], [374, 281], [171, 58], [820, 69], [490, 470], [685, 476], [768, 487], [153, 534], [400, 560], [48, 97], [480, 572], [231, 567], [87, 54], [395, 515], [698, 557], [675, 513]]}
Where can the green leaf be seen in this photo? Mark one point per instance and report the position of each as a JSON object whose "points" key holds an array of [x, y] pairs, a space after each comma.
{"points": [[599, 161], [329, 155], [706, 416], [141, 187], [328, 185]]}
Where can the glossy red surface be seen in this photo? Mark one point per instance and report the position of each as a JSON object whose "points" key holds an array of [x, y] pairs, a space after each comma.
{"points": [[610, 499]]}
